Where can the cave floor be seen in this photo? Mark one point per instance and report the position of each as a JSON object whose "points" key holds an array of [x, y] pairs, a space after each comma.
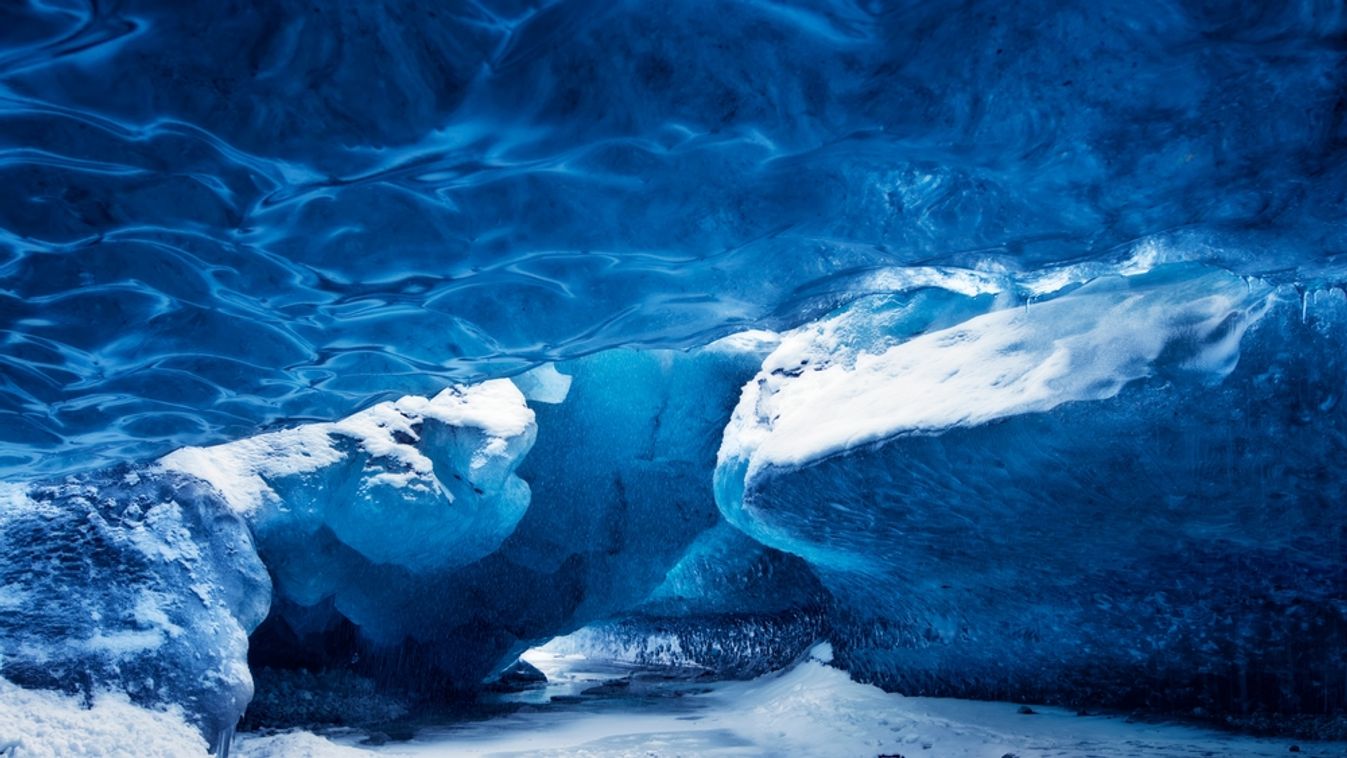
{"points": [[591, 708]]}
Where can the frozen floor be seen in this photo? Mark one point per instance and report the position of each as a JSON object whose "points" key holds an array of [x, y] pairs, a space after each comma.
{"points": [[811, 710]]}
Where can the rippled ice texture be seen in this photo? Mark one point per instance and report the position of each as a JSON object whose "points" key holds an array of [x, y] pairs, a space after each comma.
{"points": [[143, 586], [217, 220]]}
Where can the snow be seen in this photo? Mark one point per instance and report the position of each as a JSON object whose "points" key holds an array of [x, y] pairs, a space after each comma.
{"points": [[241, 470], [967, 282], [993, 277], [807, 403], [40, 723], [293, 745], [238, 469], [810, 710]]}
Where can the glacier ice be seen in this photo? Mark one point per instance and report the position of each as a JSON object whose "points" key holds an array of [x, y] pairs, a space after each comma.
{"points": [[1122, 495], [147, 580], [618, 491], [399, 494], [1035, 390], [305, 210], [133, 582], [730, 607], [930, 476]]}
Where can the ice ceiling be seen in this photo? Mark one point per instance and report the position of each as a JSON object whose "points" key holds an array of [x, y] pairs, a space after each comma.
{"points": [[250, 214]]}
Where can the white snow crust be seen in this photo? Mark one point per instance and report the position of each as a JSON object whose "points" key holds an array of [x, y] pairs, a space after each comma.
{"points": [[810, 710], [42, 724], [808, 402], [240, 469]]}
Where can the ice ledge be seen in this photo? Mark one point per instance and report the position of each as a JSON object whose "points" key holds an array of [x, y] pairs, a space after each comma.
{"points": [[834, 385], [242, 470]]}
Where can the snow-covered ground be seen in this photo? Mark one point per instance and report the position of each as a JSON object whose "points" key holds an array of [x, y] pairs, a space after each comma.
{"points": [[811, 710], [45, 724]]}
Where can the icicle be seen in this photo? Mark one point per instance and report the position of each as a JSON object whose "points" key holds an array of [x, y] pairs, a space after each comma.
{"points": [[223, 743]]}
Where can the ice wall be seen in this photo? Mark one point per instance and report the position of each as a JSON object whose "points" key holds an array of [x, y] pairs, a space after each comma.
{"points": [[1123, 495]]}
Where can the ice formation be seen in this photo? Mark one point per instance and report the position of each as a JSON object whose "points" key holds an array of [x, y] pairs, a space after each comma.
{"points": [[421, 484], [367, 345], [130, 583], [929, 476], [1123, 495], [618, 490]]}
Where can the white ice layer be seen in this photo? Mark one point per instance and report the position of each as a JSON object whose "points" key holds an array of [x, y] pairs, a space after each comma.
{"points": [[991, 277], [544, 384], [817, 395], [241, 470]]}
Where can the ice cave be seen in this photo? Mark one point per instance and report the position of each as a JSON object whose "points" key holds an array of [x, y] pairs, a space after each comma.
{"points": [[951, 379]]}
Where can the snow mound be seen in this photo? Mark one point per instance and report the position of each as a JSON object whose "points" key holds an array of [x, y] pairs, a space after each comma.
{"points": [[44, 724]]}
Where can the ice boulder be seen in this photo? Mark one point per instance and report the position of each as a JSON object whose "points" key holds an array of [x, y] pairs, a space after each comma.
{"points": [[1127, 494], [414, 487], [126, 584]]}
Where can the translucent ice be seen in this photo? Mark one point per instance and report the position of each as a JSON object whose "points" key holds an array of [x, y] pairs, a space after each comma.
{"points": [[730, 607], [620, 489], [417, 486]]}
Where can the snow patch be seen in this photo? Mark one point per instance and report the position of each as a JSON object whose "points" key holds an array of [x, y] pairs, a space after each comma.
{"points": [[752, 341], [42, 724], [1085, 345], [241, 470]]}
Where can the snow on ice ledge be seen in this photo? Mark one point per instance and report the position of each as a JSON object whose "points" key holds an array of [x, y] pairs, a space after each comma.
{"points": [[383, 480], [240, 470], [820, 392]]}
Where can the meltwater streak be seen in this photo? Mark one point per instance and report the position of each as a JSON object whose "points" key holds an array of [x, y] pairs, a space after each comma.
{"points": [[222, 218]]}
